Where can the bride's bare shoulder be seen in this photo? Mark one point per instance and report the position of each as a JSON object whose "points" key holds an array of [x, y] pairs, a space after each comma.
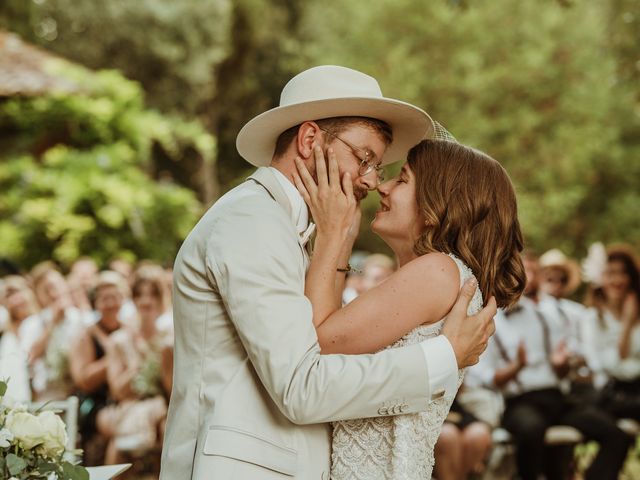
{"points": [[436, 264], [434, 277]]}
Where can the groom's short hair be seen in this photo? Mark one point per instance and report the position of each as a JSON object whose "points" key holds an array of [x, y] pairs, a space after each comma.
{"points": [[335, 126]]}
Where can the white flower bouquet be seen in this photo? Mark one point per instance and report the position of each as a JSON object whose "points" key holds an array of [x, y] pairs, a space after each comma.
{"points": [[32, 445]]}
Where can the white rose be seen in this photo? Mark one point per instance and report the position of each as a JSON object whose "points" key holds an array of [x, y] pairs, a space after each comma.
{"points": [[26, 429], [5, 438], [55, 434]]}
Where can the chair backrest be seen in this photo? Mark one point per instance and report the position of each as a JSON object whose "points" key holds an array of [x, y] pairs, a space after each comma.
{"points": [[69, 410]]}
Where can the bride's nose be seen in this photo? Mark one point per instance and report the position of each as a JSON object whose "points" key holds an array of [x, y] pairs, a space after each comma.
{"points": [[383, 188]]}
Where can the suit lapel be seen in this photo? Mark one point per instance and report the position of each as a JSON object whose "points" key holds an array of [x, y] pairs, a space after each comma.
{"points": [[264, 177]]}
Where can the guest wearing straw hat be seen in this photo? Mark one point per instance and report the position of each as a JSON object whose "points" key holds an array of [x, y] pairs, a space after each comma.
{"points": [[560, 277]]}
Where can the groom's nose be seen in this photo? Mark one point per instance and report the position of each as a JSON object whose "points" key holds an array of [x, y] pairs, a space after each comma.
{"points": [[369, 181]]}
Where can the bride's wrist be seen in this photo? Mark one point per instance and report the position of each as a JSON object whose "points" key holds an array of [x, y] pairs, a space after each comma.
{"points": [[332, 239]]}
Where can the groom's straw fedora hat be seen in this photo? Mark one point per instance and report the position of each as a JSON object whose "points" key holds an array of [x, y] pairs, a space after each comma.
{"points": [[332, 91]]}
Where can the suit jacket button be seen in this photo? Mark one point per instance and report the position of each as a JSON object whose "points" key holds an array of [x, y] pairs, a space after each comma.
{"points": [[437, 394]]}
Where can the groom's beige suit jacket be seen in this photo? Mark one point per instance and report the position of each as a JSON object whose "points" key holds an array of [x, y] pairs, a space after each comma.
{"points": [[251, 392]]}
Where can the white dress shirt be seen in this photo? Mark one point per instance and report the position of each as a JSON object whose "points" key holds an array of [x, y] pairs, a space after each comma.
{"points": [[14, 367], [571, 316], [524, 324], [441, 359], [602, 336]]}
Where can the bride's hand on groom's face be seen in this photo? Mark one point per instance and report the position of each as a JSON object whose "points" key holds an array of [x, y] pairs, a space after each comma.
{"points": [[331, 200]]}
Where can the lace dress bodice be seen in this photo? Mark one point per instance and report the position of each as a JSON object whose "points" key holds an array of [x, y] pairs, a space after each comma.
{"points": [[396, 447]]}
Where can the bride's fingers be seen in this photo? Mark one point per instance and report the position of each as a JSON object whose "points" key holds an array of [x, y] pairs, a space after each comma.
{"points": [[306, 177], [334, 172], [347, 187], [321, 167], [301, 188]]}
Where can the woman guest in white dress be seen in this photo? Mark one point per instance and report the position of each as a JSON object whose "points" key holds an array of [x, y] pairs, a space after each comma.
{"points": [[20, 303], [50, 333], [449, 215], [613, 332]]}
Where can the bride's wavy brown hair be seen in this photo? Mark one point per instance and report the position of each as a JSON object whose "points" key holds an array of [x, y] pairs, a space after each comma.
{"points": [[469, 206]]}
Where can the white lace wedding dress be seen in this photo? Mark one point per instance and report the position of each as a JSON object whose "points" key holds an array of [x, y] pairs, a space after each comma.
{"points": [[398, 447]]}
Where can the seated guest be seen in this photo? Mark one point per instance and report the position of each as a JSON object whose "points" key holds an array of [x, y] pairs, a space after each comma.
{"points": [[525, 359], [20, 304], [88, 361], [79, 296], [165, 321], [559, 278], [376, 268], [123, 267], [4, 315], [463, 445], [81, 280], [49, 333], [613, 333], [136, 380]]}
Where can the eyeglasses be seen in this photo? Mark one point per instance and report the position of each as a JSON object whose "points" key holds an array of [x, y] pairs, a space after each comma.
{"points": [[368, 159]]}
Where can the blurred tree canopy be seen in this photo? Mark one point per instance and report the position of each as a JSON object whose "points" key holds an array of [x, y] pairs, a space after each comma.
{"points": [[77, 174], [536, 85], [550, 89], [171, 47]]}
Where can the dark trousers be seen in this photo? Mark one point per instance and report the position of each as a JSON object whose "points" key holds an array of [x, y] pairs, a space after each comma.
{"points": [[621, 399], [528, 416]]}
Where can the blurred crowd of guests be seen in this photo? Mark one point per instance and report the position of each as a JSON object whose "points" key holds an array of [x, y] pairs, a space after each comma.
{"points": [[567, 354], [104, 336], [107, 337]]}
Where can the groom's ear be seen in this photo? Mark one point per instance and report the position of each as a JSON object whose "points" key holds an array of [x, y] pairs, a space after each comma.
{"points": [[309, 133]]}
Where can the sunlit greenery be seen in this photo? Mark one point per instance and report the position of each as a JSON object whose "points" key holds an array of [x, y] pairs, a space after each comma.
{"points": [[551, 89], [76, 174]]}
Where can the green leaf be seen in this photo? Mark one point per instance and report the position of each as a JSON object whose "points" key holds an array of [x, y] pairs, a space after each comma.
{"points": [[74, 472], [45, 466], [15, 464], [3, 388]]}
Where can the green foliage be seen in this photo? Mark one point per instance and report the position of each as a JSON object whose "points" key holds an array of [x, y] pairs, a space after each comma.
{"points": [[15, 464], [26, 464], [75, 175], [548, 88], [585, 453], [264, 54], [533, 84], [171, 47]]}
